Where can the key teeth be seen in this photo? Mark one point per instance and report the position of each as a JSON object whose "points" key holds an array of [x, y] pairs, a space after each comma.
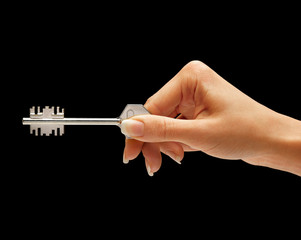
{"points": [[47, 131], [34, 130], [61, 130], [33, 114], [59, 114], [58, 110], [47, 112]]}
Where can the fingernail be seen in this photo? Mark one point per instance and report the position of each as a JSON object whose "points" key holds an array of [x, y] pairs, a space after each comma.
{"points": [[125, 160], [132, 128], [149, 171], [174, 157], [177, 159]]}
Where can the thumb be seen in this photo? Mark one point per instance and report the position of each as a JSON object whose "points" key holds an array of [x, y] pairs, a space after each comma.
{"points": [[153, 128]]}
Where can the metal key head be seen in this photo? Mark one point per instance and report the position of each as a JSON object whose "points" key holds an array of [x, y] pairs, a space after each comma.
{"points": [[47, 113], [131, 110]]}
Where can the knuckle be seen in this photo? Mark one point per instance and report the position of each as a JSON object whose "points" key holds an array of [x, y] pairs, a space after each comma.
{"points": [[166, 129], [163, 129], [195, 65], [197, 69]]}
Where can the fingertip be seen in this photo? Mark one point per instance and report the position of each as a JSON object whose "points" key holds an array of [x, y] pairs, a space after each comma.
{"points": [[131, 150], [153, 158], [176, 158], [174, 150], [125, 159], [148, 168]]}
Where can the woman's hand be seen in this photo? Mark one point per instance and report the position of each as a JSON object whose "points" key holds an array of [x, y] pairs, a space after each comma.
{"points": [[198, 110]]}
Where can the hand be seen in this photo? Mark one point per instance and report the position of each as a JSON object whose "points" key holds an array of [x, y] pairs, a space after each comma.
{"points": [[198, 110]]}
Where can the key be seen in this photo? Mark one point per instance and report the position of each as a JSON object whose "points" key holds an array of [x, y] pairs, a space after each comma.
{"points": [[52, 120]]}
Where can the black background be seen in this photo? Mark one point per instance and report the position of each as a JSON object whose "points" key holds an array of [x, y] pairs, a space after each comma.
{"points": [[92, 61]]}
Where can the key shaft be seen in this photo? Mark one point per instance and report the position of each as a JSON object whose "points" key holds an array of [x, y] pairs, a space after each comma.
{"points": [[73, 121]]}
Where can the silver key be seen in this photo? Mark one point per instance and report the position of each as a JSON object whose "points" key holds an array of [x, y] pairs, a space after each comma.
{"points": [[49, 121]]}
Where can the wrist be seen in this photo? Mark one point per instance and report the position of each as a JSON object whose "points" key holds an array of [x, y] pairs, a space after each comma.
{"points": [[284, 144]]}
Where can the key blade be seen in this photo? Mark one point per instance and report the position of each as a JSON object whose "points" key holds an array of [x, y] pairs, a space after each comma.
{"points": [[46, 113]]}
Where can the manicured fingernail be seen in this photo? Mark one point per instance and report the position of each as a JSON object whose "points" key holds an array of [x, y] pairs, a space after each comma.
{"points": [[149, 171], [125, 160], [174, 157], [177, 159], [132, 128]]}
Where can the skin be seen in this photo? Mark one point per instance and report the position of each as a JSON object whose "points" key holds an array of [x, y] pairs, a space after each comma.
{"points": [[197, 110]]}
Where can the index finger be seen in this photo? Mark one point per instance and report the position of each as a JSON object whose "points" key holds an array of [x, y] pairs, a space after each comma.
{"points": [[166, 100], [178, 93]]}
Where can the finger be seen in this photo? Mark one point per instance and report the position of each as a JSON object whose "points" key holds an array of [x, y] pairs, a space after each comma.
{"points": [[171, 93], [153, 158], [187, 148], [180, 90], [131, 150], [152, 128], [173, 150], [174, 114]]}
